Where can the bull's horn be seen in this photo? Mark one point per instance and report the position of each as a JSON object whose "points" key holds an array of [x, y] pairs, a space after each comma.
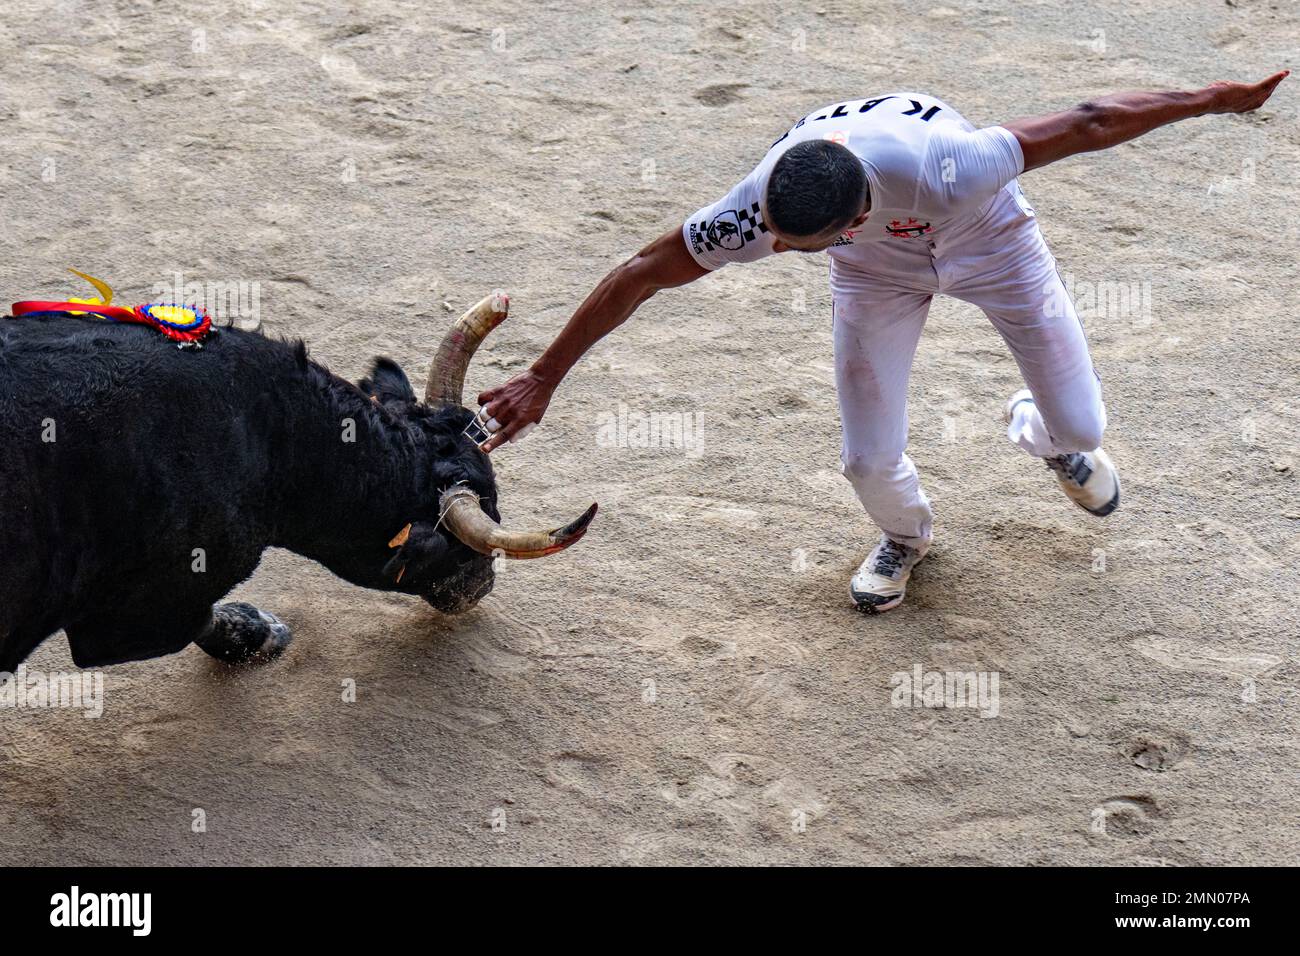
{"points": [[468, 522], [447, 370]]}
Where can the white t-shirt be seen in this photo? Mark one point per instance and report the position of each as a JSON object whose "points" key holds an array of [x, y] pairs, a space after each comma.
{"points": [[927, 169]]}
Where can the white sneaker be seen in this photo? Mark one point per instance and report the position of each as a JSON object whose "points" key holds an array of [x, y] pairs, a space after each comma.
{"points": [[882, 579], [1089, 478]]}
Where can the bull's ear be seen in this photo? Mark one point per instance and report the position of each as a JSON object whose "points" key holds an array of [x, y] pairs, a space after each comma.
{"points": [[387, 383], [419, 548]]}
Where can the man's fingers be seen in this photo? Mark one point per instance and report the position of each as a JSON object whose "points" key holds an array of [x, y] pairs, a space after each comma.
{"points": [[1269, 85], [1264, 90], [498, 437]]}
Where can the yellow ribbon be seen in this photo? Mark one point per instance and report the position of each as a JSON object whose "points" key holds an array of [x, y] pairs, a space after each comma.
{"points": [[105, 293]]}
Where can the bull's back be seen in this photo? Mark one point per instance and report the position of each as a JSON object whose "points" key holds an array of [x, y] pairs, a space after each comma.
{"points": [[123, 457]]}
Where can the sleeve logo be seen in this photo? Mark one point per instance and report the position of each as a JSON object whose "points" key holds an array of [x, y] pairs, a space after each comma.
{"points": [[724, 231], [733, 228]]}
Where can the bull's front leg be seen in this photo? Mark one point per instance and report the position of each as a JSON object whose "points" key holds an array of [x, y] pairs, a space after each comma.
{"points": [[234, 633], [241, 634]]}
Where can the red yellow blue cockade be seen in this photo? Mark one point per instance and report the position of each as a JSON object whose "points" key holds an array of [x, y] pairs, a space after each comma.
{"points": [[186, 324]]}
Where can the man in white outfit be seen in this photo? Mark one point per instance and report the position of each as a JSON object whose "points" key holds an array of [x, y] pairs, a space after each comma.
{"points": [[909, 200]]}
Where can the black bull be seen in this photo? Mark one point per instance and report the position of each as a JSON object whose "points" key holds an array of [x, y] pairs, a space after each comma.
{"points": [[140, 482]]}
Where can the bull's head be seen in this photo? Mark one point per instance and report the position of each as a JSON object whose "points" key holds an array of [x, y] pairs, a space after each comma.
{"points": [[446, 556]]}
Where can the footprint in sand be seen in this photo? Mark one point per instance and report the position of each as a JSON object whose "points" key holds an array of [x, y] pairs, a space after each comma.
{"points": [[578, 772], [1126, 816], [490, 656], [461, 719], [146, 736], [1157, 751], [723, 94], [771, 692], [1189, 655], [1252, 562], [748, 793]]}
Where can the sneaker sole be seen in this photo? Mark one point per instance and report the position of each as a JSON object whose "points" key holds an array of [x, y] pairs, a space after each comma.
{"points": [[873, 604], [1108, 507]]}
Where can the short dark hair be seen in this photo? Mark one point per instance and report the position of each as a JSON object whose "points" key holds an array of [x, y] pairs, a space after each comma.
{"points": [[815, 186]]}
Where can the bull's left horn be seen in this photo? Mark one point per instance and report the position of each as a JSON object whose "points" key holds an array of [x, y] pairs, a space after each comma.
{"points": [[468, 522], [447, 370]]}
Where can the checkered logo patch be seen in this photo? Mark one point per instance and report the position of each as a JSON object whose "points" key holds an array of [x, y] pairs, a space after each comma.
{"points": [[732, 229]]}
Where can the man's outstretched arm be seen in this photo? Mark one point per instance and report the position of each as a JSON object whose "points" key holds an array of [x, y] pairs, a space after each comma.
{"points": [[522, 401], [1109, 120]]}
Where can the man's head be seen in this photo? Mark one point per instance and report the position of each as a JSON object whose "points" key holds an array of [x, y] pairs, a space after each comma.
{"points": [[816, 190]]}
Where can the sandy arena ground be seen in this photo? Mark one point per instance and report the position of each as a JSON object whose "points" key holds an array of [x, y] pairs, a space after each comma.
{"points": [[691, 684]]}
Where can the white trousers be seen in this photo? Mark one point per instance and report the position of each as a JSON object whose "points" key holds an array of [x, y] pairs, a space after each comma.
{"points": [[998, 262]]}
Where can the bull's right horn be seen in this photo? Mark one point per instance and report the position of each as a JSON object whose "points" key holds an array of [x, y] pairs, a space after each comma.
{"points": [[447, 370], [468, 522]]}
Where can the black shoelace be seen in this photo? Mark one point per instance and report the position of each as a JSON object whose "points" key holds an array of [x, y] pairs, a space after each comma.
{"points": [[889, 558], [1074, 467]]}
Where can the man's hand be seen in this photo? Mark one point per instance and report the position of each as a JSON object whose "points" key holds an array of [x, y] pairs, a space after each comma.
{"points": [[1109, 120], [514, 406], [1225, 97], [521, 402]]}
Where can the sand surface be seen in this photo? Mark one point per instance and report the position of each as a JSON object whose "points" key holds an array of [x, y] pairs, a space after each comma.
{"points": [[690, 684]]}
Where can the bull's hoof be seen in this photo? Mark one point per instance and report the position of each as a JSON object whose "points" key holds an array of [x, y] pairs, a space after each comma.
{"points": [[241, 634]]}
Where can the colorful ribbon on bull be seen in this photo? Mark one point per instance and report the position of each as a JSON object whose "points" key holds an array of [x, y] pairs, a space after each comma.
{"points": [[183, 323]]}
